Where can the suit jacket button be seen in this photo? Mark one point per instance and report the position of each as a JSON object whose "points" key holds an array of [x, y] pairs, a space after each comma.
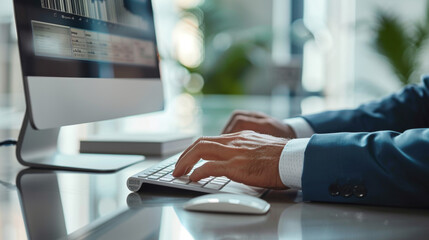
{"points": [[359, 191], [334, 190], [346, 191]]}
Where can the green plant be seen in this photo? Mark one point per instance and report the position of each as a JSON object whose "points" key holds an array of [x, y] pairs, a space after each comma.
{"points": [[401, 44], [224, 70]]}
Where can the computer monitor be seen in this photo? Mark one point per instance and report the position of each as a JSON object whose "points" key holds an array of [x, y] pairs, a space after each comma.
{"points": [[84, 61]]}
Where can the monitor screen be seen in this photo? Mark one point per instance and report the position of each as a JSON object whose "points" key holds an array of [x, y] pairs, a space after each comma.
{"points": [[87, 60], [87, 38], [84, 61]]}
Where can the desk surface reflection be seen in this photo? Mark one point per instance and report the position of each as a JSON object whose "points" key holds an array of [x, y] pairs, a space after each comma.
{"points": [[54, 208]]}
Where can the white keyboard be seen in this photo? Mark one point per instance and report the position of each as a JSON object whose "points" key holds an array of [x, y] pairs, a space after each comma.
{"points": [[160, 174]]}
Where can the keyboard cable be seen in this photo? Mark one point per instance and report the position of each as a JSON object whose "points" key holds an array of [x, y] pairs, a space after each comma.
{"points": [[8, 143]]}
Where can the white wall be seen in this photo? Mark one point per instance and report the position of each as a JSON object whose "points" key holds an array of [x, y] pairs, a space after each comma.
{"points": [[6, 9]]}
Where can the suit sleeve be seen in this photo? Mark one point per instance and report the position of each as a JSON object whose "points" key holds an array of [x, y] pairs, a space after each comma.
{"points": [[399, 112], [381, 168], [380, 155]]}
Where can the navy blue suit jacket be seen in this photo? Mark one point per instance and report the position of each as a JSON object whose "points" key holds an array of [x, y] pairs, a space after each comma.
{"points": [[376, 154]]}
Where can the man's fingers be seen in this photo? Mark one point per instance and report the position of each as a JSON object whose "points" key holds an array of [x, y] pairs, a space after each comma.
{"points": [[234, 122], [215, 169], [250, 114], [240, 113], [204, 150], [218, 139], [245, 123]]}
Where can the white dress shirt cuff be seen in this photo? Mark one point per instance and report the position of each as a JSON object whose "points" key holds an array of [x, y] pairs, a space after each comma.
{"points": [[291, 162], [300, 126]]}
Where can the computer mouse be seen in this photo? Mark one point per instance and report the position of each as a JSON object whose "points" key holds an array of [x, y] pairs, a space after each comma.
{"points": [[228, 203]]}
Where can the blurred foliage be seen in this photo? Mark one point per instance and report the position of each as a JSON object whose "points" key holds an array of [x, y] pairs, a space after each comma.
{"points": [[224, 68], [402, 44]]}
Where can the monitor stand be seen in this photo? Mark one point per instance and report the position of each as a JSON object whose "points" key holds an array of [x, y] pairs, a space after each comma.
{"points": [[38, 148]]}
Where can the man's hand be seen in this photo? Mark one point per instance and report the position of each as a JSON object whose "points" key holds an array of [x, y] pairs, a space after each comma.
{"points": [[258, 122], [246, 157]]}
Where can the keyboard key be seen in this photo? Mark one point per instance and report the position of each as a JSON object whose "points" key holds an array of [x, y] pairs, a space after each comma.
{"points": [[158, 175], [213, 186], [204, 180], [143, 175], [182, 180], [223, 178], [220, 181], [151, 171], [196, 184], [217, 183], [167, 178], [153, 177]]}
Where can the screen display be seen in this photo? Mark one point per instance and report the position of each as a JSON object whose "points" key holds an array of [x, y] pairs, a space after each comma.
{"points": [[113, 11], [52, 40], [87, 38]]}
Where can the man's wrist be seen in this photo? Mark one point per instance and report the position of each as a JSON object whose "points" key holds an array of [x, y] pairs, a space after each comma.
{"points": [[300, 127], [291, 163]]}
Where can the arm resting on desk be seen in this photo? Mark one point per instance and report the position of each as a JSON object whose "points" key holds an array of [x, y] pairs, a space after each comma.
{"points": [[381, 168]]}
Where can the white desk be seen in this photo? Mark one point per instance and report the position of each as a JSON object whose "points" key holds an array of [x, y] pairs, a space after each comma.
{"points": [[46, 205]]}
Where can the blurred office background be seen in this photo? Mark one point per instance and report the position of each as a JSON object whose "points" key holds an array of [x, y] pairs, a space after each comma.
{"points": [[282, 57], [295, 56], [336, 53], [329, 54]]}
